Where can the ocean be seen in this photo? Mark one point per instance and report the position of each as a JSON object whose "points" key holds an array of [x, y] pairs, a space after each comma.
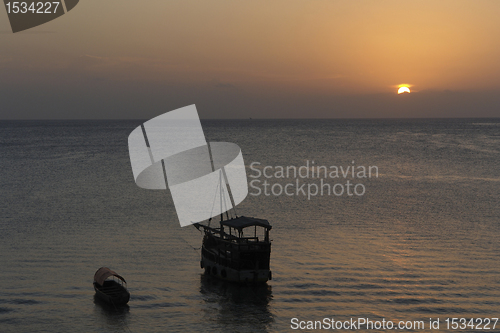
{"points": [[420, 244]]}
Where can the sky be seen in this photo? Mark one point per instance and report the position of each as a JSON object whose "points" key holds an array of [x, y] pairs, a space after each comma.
{"points": [[122, 59]]}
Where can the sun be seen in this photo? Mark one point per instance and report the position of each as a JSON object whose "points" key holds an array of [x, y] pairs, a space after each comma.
{"points": [[403, 89]]}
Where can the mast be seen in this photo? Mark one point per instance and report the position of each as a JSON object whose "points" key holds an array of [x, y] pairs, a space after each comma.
{"points": [[229, 191], [177, 138], [221, 193], [226, 182], [213, 170]]}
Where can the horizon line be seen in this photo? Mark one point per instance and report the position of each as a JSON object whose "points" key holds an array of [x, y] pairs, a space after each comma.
{"points": [[250, 118]]}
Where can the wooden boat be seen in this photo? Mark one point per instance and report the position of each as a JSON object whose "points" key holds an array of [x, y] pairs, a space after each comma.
{"points": [[238, 251], [109, 290], [171, 151]]}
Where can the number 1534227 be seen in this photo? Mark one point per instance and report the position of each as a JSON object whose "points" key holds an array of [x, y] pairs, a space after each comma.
{"points": [[34, 7]]}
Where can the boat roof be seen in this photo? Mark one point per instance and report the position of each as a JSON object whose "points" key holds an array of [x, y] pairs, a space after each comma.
{"points": [[103, 273], [243, 222]]}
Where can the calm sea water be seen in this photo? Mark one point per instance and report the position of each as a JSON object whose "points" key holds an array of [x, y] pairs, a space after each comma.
{"points": [[422, 242]]}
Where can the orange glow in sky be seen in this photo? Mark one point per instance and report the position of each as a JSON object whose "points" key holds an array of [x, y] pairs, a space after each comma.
{"points": [[260, 51]]}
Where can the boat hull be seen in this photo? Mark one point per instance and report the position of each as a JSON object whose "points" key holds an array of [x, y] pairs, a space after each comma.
{"points": [[112, 294], [233, 275], [232, 254]]}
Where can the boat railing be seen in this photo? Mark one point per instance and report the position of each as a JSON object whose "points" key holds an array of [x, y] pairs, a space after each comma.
{"points": [[243, 244], [244, 239], [223, 236]]}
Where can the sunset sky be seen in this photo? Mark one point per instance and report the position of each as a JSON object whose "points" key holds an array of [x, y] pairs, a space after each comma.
{"points": [[259, 59]]}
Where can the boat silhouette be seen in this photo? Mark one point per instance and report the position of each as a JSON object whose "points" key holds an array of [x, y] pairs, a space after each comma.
{"points": [[205, 180]]}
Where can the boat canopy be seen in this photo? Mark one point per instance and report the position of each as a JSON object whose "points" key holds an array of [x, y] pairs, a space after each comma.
{"points": [[103, 273], [242, 222]]}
